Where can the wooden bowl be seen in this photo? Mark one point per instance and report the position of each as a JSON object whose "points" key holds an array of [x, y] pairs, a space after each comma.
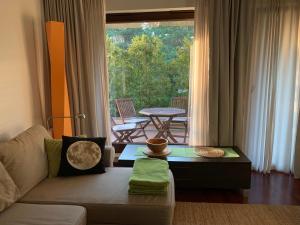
{"points": [[157, 145]]}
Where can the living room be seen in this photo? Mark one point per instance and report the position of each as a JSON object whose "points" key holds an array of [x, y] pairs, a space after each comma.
{"points": [[135, 112]]}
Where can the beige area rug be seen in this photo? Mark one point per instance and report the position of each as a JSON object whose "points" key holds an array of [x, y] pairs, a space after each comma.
{"points": [[235, 214]]}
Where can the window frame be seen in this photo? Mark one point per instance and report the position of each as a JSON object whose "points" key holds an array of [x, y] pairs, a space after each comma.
{"points": [[153, 16], [131, 17]]}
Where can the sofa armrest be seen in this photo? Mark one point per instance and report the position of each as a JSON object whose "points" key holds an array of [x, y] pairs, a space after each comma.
{"points": [[109, 156]]}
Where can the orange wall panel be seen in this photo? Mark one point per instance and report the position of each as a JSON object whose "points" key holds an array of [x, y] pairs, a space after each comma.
{"points": [[59, 90]]}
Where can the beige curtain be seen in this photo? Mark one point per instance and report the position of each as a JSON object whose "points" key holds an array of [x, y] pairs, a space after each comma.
{"points": [[215, 73], [296, 162], [274, 85], [242, 78], [245, 80], [86, 69], [223, 45]]}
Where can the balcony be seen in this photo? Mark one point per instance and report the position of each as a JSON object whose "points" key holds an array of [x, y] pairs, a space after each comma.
{"points": [[151, 131]]}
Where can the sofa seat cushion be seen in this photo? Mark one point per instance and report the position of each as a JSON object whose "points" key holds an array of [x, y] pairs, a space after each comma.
{"points": [[35, 214], [106, 198]]}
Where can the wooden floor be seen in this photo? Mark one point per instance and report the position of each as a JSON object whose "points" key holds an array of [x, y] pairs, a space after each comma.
{"points": [[274, 188]]}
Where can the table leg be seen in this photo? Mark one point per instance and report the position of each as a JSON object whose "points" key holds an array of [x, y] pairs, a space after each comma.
{"points": [[159, 126], [127, 136], [163, 128], [119, 137], [167, 129]]}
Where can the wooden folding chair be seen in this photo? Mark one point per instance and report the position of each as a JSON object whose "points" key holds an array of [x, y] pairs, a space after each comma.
{"points": [[180, 102], [180, 122], [127, 113], [123, 132]]}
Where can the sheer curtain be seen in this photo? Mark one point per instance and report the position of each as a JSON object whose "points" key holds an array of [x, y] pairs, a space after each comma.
{"points": [[274, 85], [198, 85], [86, 69]]}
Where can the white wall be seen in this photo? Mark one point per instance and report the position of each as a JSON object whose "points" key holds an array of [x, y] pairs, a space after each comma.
{"points": [[20, 66], [147, 5]]}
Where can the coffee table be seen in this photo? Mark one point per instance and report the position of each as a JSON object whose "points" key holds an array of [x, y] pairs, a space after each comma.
{"points": [[200, 172]]}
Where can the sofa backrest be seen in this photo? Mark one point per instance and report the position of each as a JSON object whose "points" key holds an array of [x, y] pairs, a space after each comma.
{"points": [[25, 159]]}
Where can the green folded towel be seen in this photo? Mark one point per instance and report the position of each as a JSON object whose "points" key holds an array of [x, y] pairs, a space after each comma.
{"points": [[149, 176], [142, 187], [137, 191], [150, 172]]}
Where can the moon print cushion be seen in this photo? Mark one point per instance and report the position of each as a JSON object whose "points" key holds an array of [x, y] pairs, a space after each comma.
{"points": [[80, 156]]}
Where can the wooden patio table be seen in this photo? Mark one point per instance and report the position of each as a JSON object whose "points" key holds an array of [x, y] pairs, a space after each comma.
{"points": [[161, 119]]}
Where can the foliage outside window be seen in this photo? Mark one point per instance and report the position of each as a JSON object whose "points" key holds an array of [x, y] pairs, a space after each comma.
{"points": [[149, 62]]}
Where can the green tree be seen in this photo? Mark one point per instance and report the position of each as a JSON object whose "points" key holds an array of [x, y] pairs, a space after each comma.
{"points": [[117, 73], [179, 69], [171, 36], [146, 80]]}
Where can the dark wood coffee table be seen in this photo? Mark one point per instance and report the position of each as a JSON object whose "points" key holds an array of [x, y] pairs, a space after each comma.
{"points": [[199, 172]]}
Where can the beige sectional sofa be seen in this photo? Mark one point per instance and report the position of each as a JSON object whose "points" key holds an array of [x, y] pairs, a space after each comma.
{"points": [[92, 199]]}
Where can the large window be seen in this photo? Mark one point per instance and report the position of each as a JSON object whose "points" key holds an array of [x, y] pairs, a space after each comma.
{"points": [[149, 62]]}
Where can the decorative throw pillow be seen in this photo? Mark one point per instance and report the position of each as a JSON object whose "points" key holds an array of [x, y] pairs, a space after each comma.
{"points": [[9, 192], [53, 149], [80, 156]]}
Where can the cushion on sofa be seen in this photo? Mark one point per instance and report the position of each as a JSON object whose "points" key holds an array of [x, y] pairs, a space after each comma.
{"points": [[109, 156], [53, 150], [9, 192], [35, 214], [25, 159], [106, 198], [81, 156]]}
